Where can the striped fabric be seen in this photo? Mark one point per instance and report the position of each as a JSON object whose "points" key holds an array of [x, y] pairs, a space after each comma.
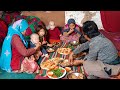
{"points": [[55, 54]]}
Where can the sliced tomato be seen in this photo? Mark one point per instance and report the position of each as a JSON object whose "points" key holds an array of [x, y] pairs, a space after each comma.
{"points": [[56, 67], [54, 76], [62, 71]]}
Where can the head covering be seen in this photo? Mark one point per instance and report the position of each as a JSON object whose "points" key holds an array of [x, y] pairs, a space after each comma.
{"points": [[71, 20], [6, 54], [33, 22]]}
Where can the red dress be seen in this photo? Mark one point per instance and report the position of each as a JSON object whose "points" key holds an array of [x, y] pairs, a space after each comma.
{"points": [[54, 35], [19, 51]]}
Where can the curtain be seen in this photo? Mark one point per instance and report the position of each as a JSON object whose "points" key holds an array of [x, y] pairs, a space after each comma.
{"points": [[111, 20]]}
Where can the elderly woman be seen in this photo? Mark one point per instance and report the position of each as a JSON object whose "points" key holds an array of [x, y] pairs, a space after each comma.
{"points": [[71, 31], [15, 47], [102, 59]]}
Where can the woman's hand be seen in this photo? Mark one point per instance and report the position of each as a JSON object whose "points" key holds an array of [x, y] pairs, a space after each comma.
{"points": [[37, 46], [71, 58]]}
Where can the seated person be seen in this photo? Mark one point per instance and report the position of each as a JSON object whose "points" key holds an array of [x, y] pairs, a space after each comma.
{"points": [[15, 47], [71, 31], [29, 65], [102, 59], [34, 38], [42, 32], [53, 33]]}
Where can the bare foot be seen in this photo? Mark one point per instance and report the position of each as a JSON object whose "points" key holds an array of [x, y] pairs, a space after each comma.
{"points": [[17, 71], [37, 71]]}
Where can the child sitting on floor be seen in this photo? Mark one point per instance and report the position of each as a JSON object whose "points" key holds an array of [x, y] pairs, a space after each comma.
{"points": [[71, 31], [34, 38], [29, 65], [42, 32], [53, 33]]}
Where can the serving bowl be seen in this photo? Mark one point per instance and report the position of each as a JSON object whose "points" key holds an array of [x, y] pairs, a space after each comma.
{"points": [[76, 75]]}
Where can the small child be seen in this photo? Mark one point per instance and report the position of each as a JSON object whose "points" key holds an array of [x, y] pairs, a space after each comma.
{"points": [[34, 38], [42, 32], [53, 33], [29, 65]]}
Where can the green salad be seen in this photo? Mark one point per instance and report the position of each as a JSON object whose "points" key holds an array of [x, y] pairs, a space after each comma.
{"points": [[58, 72]]}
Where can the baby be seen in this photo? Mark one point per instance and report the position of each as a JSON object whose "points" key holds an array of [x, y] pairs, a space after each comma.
{"points": [[34, 38], [29, 65], [53, 33]]}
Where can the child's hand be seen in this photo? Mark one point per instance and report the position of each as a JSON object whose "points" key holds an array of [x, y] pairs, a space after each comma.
{"points": [[71, 30], [50, 45], [38, 45], [44, 42]]}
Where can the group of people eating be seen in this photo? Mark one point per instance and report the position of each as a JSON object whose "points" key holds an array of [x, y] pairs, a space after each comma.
{"points": [[20, 54]]}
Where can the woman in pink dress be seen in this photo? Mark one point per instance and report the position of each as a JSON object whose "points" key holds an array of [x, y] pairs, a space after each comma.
{"points": [[71, 31]]}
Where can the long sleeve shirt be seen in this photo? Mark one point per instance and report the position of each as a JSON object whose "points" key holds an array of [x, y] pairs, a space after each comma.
{"points": [[100, 48], [19, 51]]}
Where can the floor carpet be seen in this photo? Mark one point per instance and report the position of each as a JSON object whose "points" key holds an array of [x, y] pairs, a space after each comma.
{"points": [[6, 75]]}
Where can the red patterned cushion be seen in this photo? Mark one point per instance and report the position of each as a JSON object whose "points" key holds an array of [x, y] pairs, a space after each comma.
{"points": [[3, 30]]}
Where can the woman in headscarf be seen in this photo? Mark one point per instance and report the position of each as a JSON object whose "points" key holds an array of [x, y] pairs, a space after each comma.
{"points": [[15, 47], [71, 31]]}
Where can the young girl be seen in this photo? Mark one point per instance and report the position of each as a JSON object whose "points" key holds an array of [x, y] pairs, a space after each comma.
{"points": [[71, 31], [42, 34], [53, 33]]}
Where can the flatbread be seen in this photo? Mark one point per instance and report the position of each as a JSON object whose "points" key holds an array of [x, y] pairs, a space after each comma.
{"points": [[51, 63], [64, 51]]}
